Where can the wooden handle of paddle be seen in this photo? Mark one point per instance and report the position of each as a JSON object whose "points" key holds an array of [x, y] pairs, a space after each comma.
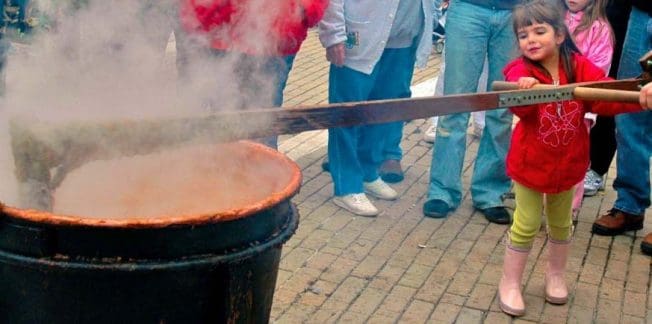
{"points": [[595, 94], [582, 93]]}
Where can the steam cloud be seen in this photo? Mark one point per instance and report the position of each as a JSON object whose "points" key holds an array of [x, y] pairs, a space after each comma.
{"points": [[111, 60]]}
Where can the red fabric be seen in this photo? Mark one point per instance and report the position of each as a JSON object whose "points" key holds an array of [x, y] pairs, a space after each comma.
{"points": [[255, 27], [549, 151]]}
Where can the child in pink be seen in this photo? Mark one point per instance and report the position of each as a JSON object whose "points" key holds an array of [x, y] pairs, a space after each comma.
{"points": [[587, 23]]}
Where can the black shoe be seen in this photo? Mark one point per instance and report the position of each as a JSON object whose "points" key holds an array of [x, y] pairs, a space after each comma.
{"points": [[325, 165], [498, 215], [391, 172], [436, 208], [646, 244]]}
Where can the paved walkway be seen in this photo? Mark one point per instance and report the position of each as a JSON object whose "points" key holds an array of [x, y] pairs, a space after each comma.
{"points": [[402, 267]]}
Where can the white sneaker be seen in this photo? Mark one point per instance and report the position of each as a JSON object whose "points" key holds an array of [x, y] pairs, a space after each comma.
{"points": [[593, 183], [357, 203], [430, 133], [380, 189]]}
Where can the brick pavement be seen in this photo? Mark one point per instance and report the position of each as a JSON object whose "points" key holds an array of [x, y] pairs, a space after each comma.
{"points": [[402, 267]]}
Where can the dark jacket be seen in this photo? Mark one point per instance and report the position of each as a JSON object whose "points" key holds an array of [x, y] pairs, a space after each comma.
{"points": [[645, 5]]}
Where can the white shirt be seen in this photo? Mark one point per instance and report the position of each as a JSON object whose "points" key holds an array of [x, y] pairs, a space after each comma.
{"points": [[364, 26]]}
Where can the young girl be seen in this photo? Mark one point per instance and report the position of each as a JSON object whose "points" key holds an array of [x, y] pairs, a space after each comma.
{"points": [[587, 23], [549, 149]]}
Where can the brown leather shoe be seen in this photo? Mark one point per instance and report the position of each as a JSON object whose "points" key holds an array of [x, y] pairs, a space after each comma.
{"points": [[646, 244], [616, 222]]}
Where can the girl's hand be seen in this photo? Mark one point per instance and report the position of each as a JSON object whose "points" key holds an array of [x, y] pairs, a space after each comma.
{"points": [[646, 97], [527, 82]]}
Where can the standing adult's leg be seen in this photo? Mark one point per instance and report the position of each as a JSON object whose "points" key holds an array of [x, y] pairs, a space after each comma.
{"points": [[490, 181], [634, 143], [346, 85], [466, 24], [601, 152], [431, 132], [632, 182], [603, 134], [394, 79], [278, 70]]}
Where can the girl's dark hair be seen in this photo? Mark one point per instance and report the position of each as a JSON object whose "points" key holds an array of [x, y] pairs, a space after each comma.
{"points": [[547, 12]]}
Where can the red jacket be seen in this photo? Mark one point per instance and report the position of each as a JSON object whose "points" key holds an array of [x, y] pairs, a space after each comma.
{"points": [[255, 27], [549, 151]]}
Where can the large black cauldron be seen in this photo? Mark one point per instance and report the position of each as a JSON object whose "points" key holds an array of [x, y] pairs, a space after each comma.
{"points": [[217, 267]]}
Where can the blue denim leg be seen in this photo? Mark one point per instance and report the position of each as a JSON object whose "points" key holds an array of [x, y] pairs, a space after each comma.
{"points": [[490, 181], [394, 134], [279, 68], [490, 34], [394, 79], [347, 169], [260, 81], [633, 130], [447, 158]]}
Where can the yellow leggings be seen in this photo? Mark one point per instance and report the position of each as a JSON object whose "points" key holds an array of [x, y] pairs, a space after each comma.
{"points": [[527, 217]]}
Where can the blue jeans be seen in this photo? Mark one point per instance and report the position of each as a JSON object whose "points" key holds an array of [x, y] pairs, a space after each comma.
{"points": [[633, 130], [392, 149], [254, 74], [473, 33], [279, 68], [354, 153]]}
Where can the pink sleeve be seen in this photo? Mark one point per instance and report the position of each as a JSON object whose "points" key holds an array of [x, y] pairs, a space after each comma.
{"points": [[600, 47]]}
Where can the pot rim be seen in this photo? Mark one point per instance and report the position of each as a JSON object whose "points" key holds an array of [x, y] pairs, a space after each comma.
{"points": [[292, 187]]}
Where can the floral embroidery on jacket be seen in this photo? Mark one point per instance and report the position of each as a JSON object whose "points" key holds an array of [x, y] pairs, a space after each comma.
{"points": [[559, 126]]}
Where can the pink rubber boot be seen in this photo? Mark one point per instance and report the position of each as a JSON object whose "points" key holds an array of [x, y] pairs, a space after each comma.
{"points": [[509, 289], [556, 290]]}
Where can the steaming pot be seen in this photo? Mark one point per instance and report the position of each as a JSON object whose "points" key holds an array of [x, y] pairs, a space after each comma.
{"points": [[216, 267]]}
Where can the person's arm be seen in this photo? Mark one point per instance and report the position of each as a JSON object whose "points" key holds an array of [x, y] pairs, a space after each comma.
{"points": [[590, 72], [332, 32], [609, 108]]}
